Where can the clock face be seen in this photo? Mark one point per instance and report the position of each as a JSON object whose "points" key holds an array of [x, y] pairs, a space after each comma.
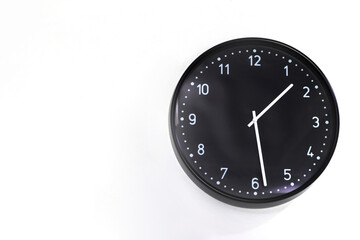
{"points": [[253, 122]]}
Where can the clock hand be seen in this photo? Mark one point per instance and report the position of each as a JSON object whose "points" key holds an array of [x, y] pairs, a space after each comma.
{"points": [[259, 148], [271, 104]]}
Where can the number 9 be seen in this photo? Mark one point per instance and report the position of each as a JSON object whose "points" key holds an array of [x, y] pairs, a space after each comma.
{"points": [[192, 118]]}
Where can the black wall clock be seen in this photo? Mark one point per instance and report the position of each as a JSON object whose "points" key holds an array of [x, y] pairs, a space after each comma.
{"points": [[253, 122]]}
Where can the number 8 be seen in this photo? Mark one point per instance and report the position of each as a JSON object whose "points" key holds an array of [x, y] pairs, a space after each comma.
{"points": [[201, 150]]}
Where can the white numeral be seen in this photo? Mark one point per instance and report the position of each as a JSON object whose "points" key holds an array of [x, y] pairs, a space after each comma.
{"points": [[254, 183], [255, 63], [287, 175], [203, 89], [201, 149], [317, 122], [306, 95], [309, 153], [227, 69], [192, 118], [286, 70], [225, 170]]}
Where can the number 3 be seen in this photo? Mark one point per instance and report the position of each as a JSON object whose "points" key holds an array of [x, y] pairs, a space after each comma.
{"points": [[317, 123]]}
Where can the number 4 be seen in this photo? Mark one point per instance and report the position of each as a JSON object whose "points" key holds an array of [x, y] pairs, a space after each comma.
{"points": [[309, 153]]}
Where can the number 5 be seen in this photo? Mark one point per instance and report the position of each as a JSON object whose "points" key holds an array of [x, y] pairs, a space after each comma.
{"points": [[287, 175]]}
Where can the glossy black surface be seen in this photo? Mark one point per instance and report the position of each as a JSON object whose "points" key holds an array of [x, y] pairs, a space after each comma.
{"points": [[219, 151]]}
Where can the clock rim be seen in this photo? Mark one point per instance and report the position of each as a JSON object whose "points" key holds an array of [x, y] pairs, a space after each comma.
{"points": [[239, 201]]}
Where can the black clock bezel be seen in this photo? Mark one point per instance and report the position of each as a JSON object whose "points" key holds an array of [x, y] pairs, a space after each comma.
{"points": [[238, 201]]}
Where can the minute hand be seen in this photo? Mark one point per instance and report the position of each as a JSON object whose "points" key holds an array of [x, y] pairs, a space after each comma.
{"points": [[271, 104]]}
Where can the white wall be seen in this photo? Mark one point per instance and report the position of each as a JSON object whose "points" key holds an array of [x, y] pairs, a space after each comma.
{"points": [[85, 88]]}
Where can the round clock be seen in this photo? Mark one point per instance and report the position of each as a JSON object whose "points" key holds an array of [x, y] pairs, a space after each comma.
{"points": [[253, 122]]}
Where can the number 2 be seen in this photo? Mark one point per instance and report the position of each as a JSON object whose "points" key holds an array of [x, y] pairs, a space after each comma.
{"points": [[306, 95]]}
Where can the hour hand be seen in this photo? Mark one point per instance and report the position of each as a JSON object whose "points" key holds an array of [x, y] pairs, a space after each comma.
{"points": [[271, 104]]}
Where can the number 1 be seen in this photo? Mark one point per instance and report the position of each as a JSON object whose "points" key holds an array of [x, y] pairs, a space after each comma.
{"points": [[286, 70]]}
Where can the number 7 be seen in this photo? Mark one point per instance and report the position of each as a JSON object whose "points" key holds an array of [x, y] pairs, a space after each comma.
{"points": [[225, 170]]}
